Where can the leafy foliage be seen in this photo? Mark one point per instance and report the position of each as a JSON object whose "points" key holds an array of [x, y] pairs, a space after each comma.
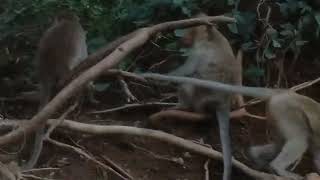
{"points": [[261, 32]]}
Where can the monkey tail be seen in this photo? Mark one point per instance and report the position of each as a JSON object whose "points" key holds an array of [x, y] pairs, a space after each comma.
{"points": [[263, 93], [38, 144]]}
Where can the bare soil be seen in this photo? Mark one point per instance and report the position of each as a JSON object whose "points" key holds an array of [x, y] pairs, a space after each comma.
{"points": [[146, 159]]}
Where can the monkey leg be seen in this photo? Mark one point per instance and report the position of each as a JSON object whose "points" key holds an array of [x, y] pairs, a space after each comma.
{"points": [[262, 155], [292, 150], [223, 116]]}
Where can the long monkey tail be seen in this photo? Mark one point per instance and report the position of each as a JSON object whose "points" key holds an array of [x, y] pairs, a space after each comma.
{"points": [[263, 93]]}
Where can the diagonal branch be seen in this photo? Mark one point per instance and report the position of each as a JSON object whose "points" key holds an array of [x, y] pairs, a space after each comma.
{"points": [[122, 50]]}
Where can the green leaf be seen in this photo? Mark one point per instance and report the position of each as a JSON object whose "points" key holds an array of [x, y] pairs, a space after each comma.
{"points": [[301, 43], [171, 46], [272, 32], [287, 26], [186, 11], [318, 32], [178, 2], [233, 28], [185, 51], [231, 2], [286, 33], [268, 53], [248, 46], [317, 17], [180, 32], [276, 44], [101, 86], [283, 8], [254, 72]]}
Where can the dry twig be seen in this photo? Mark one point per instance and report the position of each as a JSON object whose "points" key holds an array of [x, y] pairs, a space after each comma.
{"points": [[117, 167], [157, 156], [84, 154]]}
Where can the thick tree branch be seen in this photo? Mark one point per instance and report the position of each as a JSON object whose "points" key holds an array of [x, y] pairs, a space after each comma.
{"points": [[161, 136], [139, 37], [104, 51]]}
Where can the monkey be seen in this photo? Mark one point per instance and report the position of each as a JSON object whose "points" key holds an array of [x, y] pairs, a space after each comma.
{"points": [[60, 49], [296, 119], [211, 58]]}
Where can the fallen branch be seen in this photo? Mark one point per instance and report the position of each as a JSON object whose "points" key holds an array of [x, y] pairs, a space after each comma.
{"points": [[178, 161], [128, 106], [84, 154], [75, 149], [162, 136], [104, 51], [139, 37], [130, 75], [117, 167]]}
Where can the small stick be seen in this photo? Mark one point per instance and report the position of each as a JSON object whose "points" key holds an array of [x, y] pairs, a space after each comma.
{"points": [[31, 176], [86, 155], [40, 169], [75, 149], [117, 167], [174, 160]]}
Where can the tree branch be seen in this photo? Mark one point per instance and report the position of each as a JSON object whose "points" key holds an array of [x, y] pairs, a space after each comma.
{"points": [[161, 136], [139, 37]]}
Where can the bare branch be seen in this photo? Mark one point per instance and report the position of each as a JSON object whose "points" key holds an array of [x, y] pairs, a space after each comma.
{"points": [[139, 37], [104, 51], [86, 155], [161, 136], [134, 105]]}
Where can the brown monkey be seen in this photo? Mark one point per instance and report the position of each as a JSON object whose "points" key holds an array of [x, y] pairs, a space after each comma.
{"points": [[295, 117], [211, 58], [60, 49]]}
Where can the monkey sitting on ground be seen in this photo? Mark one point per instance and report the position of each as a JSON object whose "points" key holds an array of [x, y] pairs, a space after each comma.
{"points": [[60, 49], [237, 103], [295, 117], [211, 58]]}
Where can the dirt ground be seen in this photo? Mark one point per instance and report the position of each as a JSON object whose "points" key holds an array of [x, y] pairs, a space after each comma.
{"points": [[144, 158]]}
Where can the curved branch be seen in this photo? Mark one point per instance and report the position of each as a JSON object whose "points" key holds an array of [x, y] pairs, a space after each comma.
{"points": [[161, 136], [139, 38], [104, 51]]}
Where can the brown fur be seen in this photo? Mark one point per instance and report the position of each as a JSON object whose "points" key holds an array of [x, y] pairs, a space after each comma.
{"points": [[211, 58], [61, 48]]}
